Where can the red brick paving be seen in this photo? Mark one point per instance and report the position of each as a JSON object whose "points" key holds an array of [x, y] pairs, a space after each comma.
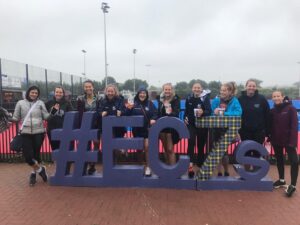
{"points": [[45, 205]]}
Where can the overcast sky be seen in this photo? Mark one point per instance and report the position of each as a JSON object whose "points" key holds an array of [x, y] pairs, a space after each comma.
{"points": [[181, 40]]}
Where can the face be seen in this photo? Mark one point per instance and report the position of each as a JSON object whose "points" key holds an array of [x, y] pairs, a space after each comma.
{"points": [[197, 89], [167, 90], [88, 88], [277, 97], [58, 94], [224, 92], [142, 96], [33, 94], [250, 88], [110, 92]]}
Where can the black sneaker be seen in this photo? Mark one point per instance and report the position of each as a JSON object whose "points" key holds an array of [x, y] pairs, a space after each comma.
{"points": [[32, 179], [191, 172], [220, 174], [43, 174], [290, 190], [91, 170], [226, 174], [278, 184]]}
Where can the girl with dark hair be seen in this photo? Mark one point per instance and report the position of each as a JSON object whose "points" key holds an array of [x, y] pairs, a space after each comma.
{"points": [[56, 121], [168, 105], [225, 105], [31, 112], [284, 135], [143, 107], [87, 103], [197, 104]]}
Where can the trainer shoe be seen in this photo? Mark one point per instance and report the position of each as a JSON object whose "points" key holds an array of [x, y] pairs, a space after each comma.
{"points": [[91, 169], [191, 172], [148, 172], [290, 190], [43, 174], [278, 184], [32, 179], [226, 174]]}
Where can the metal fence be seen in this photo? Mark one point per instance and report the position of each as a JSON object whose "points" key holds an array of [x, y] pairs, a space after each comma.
{"points": [[15, 78]]}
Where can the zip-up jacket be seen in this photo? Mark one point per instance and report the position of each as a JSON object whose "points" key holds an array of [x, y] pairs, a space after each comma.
{"points": [[256, 111], [193, 102], [284, 125], [233, 108], [56, 121], [34, 123]]}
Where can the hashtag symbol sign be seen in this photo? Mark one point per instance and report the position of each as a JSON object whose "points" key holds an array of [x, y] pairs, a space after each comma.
{"points": [[66, 155]]}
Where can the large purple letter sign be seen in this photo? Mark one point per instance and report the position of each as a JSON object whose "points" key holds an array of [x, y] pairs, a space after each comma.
{"points": [[166, 176], [248, 180]]}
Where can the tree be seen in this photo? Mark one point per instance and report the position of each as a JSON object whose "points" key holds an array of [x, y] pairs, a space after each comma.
{"points": [[182, 89], [128, 84], [214, 86]]}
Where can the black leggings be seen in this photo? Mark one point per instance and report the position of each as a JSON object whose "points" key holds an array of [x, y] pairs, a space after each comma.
{"points": [[31, 147], [293, 158], [201, 135]]}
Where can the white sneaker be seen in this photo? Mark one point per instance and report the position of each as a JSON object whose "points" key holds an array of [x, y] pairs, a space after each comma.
{"points": [[148, 172]]}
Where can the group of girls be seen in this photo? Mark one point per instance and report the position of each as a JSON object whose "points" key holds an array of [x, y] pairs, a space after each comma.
{"points": [[258, 122]]}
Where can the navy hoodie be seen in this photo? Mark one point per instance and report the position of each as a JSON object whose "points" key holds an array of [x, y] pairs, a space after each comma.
{"points": [[192, 102], [255, 116], [142, 108]]}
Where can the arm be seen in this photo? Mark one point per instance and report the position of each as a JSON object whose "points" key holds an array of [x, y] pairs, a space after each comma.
{"points": [[186, 107], [175, 108], [17, 113], [207, 106], [45, 114], [214, 105], [267, 117], [235, 108], [293, 137]]}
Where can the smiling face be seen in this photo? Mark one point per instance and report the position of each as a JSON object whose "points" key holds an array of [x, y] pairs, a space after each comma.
{"points": [[88, 88], [197, 89], [277, 97], [58, 94], [251, 88], [110, 93], [168, 90], [142, 96], [33, 94], [224, 92]]}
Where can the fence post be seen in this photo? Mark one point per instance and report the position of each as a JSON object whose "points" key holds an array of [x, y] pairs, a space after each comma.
{"points": [[46, 79], [1, 82], [27, 77], [72, 86], [60, 75]]}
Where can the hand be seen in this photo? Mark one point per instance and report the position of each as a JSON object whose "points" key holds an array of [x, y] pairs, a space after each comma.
{"points": [[186, 121], [56, 106], [199, 112], [118, 113], [129, 106], [104, 113], [152, 122], [216, 112]]}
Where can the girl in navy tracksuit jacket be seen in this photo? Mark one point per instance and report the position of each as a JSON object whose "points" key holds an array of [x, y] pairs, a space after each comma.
{"points": [[143, 107], [199, 100]]}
